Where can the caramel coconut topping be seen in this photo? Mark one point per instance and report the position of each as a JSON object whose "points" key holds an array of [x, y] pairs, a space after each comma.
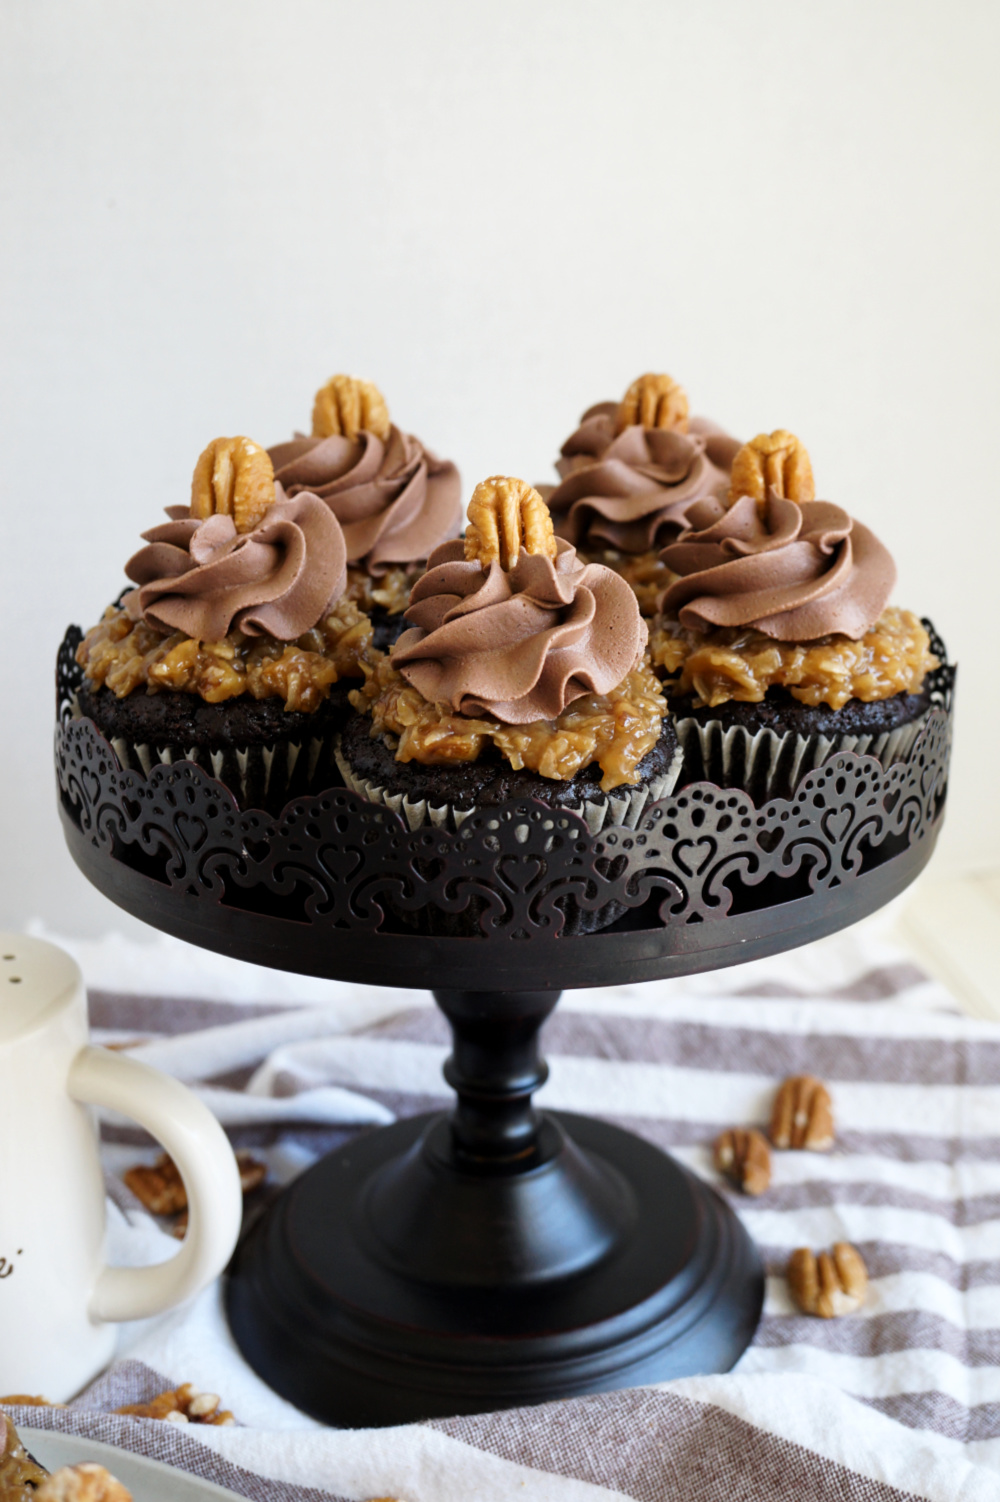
{"points": [[632, 470], [892, 657], [394, 500], [543, 658], [20, 1476]]}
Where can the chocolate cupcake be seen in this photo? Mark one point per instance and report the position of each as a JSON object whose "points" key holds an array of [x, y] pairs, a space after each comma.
{"points": [[394, 499], [523, 674], [776, 643], [629, 474], [236, 648]]}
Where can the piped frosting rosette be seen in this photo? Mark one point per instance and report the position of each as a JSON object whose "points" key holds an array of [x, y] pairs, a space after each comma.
{"points": [[206, 579], [631, 490], [521, 644], [630, 473], [804, 574], [394, 499], [793, 571]]}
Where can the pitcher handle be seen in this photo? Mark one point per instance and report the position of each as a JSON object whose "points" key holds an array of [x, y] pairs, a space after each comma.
{"points": [[198, 1145]]}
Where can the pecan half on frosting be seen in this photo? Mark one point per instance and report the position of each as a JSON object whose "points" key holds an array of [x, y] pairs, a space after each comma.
{"points": [[773, 461], [507, 517], [347, 406], [654, 401], [233, 477]]}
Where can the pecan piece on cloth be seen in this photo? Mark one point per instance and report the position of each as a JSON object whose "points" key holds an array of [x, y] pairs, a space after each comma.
{"points": [[802, 1116], [744, 1156], [831, 1284], [776, 461], [347, 406], [182, 1405], [233, 477], [507, 517], [160, 1189], [654, 401]]}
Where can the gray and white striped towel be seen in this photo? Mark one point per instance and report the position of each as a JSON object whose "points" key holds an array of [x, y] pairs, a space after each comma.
{"points": [[901, 1400]]}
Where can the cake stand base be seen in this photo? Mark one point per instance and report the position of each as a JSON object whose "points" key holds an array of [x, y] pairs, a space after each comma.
{"points": [[391, 1283]]}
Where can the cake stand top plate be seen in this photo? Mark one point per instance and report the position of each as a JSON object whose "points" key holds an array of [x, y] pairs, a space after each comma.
{"points": [[339, 887]]}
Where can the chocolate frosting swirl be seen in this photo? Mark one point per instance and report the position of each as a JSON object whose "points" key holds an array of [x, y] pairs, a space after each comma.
{"points": [[795, 572], [205, 579], [519, 645], [394, 499], [632, 491]]}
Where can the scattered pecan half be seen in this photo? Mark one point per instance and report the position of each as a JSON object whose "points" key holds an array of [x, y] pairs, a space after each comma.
{"points": [[831, 1284], [507, 517], [654, 401], [233, 477], [182, 1405], [82, 1483], [802, 1115], [744, 1156], [775, 460], [346, 406], [160, 1189]]}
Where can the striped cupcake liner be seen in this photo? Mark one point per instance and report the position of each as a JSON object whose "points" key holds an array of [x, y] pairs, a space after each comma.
{"points": [[768, 765], [262, 776], [621, 808]]}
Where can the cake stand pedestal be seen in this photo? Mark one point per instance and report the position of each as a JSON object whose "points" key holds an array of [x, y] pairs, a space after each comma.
{"points": [[495, 1255]]}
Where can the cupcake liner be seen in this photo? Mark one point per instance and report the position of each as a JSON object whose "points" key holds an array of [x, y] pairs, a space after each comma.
{"points": [[621, 808], [768, 765], [261, 776]]}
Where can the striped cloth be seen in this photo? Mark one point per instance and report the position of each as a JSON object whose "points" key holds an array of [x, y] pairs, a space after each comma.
{"points": [[901, 1400]]}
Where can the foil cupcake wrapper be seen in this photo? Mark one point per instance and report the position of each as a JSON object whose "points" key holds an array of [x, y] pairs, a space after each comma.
{"points": [[620, 808], [768, 765]]}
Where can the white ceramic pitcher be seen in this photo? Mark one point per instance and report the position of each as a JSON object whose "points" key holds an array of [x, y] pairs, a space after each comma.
{"points": [[57, 1297]]}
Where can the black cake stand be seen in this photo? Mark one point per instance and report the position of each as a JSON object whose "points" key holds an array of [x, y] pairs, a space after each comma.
{"points": [[496, 1254]]}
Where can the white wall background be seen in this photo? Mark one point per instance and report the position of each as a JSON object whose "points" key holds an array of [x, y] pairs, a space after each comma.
{"points": [[500, 213]]}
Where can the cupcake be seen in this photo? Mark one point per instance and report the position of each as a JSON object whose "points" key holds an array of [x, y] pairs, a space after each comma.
{"points": [[629, 474], [776, 643], [394, 499], [522, 675], [237, 645]]}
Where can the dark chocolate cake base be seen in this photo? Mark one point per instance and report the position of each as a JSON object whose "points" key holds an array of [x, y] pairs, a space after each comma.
{"points": [[386, 628], [491, 780], [265, 754], [766, 748], [444, 796]]}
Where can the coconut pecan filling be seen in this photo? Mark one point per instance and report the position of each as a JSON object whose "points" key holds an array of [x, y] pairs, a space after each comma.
{"points": [[390, 590], [616, 729], [643, 572], [893, 657], [126, 655]]}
